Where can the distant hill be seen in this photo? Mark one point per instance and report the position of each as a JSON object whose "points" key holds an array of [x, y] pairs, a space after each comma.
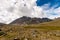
{"points": [[2, 24], [56, 22], [29, 20]]}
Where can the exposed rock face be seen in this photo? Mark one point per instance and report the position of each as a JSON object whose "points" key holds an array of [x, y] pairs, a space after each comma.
{"points": [[29, 20]]}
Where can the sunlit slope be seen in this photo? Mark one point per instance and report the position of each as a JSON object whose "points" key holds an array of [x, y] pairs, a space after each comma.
{"points": [[31, 32], [52, 23]]}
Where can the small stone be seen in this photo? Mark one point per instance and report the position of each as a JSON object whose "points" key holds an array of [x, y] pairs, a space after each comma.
{"points": [[0, 30], [16, 39]]}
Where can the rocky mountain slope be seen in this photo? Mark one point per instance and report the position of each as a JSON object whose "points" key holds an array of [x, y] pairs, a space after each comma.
{"points": [[56, 22], [29, 20], [43, 31]]}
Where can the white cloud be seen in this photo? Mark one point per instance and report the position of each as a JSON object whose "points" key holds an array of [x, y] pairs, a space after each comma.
{"points": [[57, 10], [46, 11], [13, 9]]}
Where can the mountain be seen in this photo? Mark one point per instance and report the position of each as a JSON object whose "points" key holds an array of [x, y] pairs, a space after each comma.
{"points": [[56, 22], [29, 20], [2, 24]]}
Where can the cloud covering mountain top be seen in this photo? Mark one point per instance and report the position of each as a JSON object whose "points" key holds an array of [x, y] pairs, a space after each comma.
{"points": [[11, 10]]}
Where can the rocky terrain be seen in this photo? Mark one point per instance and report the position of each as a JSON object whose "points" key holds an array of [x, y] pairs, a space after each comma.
{"points": [[17, 32], [43, 29], [29, 20]]}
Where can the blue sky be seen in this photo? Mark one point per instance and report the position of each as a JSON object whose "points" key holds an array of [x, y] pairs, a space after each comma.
{"points": [[53, 7], [52, 2]]}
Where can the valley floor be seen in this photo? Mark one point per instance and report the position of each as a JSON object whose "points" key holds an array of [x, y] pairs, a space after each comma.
{"points": [[29, 32]]}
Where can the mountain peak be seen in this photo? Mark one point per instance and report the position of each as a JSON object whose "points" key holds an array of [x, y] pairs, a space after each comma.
{"points": [[29, 20]]}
